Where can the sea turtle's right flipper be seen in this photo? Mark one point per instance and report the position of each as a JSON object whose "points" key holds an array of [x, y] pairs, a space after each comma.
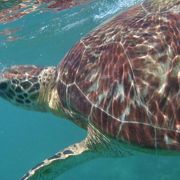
{"points": [[61, 162]]}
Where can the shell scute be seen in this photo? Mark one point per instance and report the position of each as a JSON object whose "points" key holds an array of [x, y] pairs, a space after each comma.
{"points": [[106, 121], [138, 134], [128, 71], [70, 68], [78, 101], [170, 139], [160, 5]]}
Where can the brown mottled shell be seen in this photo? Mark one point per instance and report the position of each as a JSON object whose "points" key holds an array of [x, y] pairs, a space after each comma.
{"points": [[124, 77]]}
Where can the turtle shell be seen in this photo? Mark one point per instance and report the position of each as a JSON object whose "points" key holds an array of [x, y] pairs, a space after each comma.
{"points": [[124, 77]]}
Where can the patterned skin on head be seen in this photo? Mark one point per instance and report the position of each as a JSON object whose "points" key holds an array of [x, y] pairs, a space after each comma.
{"points": [[21, 85]]}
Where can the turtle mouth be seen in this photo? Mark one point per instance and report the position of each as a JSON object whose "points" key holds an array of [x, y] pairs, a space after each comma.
{"points": [[3, 85], [5, 77], [3, 80]]}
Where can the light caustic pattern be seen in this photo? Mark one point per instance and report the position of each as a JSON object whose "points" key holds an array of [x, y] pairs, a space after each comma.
{"points": [[124, 77]]}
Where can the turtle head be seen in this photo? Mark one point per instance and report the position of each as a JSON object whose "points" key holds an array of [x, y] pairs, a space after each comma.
{"points": [[27, 86]]}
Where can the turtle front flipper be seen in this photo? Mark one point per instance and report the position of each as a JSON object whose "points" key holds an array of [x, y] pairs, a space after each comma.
{"points": [[61, 162]]}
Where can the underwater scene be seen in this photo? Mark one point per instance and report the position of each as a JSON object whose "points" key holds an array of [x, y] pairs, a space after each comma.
{"points": [[41, 33]]}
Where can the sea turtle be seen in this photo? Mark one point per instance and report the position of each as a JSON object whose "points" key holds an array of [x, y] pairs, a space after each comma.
{"points": [[121, 83]]}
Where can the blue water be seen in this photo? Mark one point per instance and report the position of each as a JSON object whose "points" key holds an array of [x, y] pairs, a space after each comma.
{"points": [[43, 37]]}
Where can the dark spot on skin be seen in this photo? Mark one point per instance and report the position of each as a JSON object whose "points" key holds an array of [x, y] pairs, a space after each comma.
{"points": [[11, 92], [59, 154], [34, 96], [162, 102], [13, 87], [15, 81], [3, 86], [25, 95], [37, 85], [34, 88], [18, 89], [20, 96], [68, 152], [54, 157], [19, 101], [34, 79], [28, 101], [26, 84]]}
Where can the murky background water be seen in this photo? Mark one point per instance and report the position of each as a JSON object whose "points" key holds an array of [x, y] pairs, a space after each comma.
{"points": [[43, 37]]}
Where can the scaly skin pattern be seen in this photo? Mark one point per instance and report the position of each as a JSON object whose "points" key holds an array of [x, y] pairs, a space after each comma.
{"points": [[27, 86], [23, 87], [124, 77]]}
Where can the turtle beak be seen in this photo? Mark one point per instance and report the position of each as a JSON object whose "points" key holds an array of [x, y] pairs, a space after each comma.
{"points": [[3, 82]]}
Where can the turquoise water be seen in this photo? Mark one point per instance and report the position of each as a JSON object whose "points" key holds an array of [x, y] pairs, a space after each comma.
{"points": [[43, 37]]}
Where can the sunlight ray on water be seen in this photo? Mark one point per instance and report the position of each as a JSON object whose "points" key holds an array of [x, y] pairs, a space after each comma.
{"points": [[113, 7]]}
